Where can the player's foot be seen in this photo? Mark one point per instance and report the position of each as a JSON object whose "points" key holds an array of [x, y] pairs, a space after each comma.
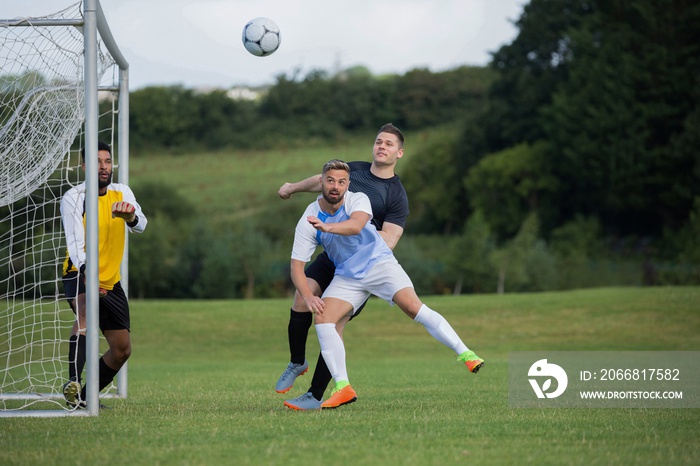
{"points": [[291, 373], [83, 405], [71, 392], [305, 402], [471, 360], [340, 397]]}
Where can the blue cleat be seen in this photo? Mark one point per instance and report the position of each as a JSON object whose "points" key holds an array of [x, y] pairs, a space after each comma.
{"points": [[305, 402], [286, 380]]}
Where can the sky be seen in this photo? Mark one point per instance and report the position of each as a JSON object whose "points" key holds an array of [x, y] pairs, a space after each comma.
{"points": [[197, 44]]}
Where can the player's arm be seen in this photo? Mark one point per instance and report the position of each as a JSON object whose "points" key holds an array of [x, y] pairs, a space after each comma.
{"points": [[349, 227], [391, 233], [130, 211], [311, 184], [313, 303], [73, 228]]}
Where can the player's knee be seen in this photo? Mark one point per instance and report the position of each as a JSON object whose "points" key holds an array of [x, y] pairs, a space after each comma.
{"points": [[411, 311], [299, 304], [122, 353]]}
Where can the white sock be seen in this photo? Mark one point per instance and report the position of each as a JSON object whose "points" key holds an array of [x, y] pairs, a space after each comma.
{"points": [[333, 351], [440, 329]]}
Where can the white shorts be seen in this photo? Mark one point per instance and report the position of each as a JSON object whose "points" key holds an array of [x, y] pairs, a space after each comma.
{"points": [[383, 280]]}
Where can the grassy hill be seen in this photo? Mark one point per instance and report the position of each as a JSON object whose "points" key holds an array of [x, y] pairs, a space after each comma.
{"points": [[237, 184]]}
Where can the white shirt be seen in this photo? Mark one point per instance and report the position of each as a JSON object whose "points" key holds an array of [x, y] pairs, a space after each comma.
{"points": [[353, 255]]}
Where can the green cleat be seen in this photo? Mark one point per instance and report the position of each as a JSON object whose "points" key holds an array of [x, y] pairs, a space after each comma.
{"points": [[471, 360]]}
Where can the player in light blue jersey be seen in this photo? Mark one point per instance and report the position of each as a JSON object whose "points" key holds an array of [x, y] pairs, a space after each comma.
{"points": [[387, 196], [339, 220]]}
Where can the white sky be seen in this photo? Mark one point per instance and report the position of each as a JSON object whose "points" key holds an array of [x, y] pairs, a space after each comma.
{"points": [[198, 43]]}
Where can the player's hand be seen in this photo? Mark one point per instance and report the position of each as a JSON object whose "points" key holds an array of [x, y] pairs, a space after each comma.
{"points": [[315, 304], [318, 224], [285, 191], [124, 210]]}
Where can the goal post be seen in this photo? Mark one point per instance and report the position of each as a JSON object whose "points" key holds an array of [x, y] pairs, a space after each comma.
{"points": [[63, 82]]}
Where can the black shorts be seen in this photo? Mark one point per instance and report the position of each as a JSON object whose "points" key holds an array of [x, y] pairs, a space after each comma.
{"points": [[114, 307], [322, 271]]}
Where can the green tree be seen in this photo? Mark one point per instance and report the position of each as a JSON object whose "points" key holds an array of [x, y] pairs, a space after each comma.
{"points": [[435, 188], [469, 260], [511, 260], [530, 69], [629, 91], [576, 245], [507, 186], [154, 256], [163, 117]]}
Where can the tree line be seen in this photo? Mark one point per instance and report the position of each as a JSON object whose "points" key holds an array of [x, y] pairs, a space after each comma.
{"points": [[301, 108], [570, 160], [590, 131]]}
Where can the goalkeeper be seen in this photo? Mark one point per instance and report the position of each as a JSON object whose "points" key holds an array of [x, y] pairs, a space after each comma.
{"points": [[117, 206]]}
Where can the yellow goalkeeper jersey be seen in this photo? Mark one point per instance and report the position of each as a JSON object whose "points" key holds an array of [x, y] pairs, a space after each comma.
{"points": [[111, 231]]}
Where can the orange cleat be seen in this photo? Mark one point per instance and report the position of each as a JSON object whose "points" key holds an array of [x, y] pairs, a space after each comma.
{"points": [[340, 397]]}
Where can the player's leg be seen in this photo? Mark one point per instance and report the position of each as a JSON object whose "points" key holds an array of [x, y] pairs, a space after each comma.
{"points": [[300, 319], [322, 376], [75, 295], [437, 326], [311, 400], [319, 274], [389, 281], [335, 313], [115, 323]]}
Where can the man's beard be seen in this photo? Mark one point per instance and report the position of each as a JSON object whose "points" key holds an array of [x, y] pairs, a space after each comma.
{"points": [[330, 200], [103, 184]]}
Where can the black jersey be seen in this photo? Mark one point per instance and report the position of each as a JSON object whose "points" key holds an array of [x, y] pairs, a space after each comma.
{"points": [[387, 196]]}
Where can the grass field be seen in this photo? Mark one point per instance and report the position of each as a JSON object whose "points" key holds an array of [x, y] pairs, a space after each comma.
{"points": [[202, 375]]}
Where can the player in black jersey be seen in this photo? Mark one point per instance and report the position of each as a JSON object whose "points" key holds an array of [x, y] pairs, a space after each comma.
{"points": [[390, 209]]}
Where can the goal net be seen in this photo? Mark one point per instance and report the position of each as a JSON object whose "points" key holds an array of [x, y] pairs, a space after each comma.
{"points": [[42, 130]]}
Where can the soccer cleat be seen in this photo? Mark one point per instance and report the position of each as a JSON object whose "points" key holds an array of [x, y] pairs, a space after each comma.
{"points": [[305, 402], [83, 405], [471, 360], [286, 380], [340, 397], [71, 392]]}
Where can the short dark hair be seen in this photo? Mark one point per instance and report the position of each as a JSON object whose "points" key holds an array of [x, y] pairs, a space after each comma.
{"points": [[335, 164], [390, 128], [100, 146]]}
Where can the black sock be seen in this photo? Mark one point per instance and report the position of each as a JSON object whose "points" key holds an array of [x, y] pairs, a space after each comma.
{"points": [[76, 357], [298, 330], [72, 349], [321, 379], [106, 376]]}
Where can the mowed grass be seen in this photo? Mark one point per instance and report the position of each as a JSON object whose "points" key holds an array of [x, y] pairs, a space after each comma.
{"points": [[202, 375]]}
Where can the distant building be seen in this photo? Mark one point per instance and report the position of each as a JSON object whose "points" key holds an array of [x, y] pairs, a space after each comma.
{"points": [[243, 93]]}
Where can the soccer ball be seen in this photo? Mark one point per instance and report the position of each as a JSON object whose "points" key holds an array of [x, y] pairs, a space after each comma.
{"points": [[261, 37]]}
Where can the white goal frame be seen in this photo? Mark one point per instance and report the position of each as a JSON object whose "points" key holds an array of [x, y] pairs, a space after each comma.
{"points": [[91, 25]]}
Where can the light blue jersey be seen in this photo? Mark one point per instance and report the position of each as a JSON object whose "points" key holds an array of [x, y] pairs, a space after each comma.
{"points": [[353, 255]]}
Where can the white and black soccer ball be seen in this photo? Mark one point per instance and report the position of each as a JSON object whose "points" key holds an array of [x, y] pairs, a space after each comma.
{"points": [[261, 37]]}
